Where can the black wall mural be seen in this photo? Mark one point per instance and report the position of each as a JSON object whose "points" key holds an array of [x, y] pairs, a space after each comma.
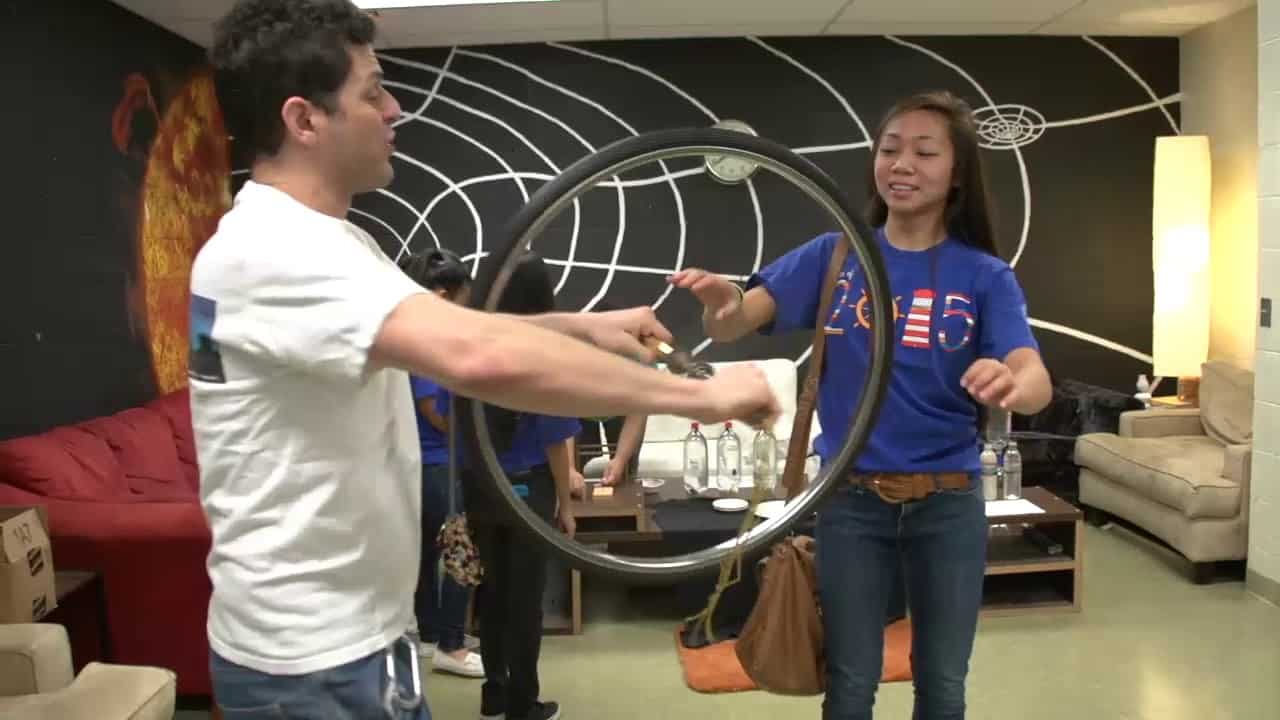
{"points": [[1068, 124]]}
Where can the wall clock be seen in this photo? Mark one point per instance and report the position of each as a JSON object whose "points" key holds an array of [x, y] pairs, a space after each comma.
{"points": [[731, 169]]}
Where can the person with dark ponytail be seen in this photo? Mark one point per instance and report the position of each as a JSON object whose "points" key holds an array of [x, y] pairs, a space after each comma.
{"points": [[912, 509], [535, 452], [439, 602]]}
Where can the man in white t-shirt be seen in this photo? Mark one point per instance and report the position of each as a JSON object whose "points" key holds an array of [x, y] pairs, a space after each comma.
{"points": [[302, 332]]}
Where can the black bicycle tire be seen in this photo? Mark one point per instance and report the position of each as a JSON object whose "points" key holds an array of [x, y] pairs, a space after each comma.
{"points": [[514, 235]]}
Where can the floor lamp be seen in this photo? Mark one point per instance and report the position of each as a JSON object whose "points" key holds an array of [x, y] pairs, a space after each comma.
{"points": [[1180, 258]]}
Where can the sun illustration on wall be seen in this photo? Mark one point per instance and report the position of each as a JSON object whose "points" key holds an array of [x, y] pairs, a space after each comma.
{"points": [[185, 190]]}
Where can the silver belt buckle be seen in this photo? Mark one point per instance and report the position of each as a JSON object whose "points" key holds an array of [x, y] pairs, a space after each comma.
{"points": [[392, 701]]}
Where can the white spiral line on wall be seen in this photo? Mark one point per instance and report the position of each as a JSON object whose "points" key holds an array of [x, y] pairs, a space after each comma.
{"points": [[676, 195], [569, 130], [404, 242], [500, 123], [751, 190], [666, 174], [1138, 78]]}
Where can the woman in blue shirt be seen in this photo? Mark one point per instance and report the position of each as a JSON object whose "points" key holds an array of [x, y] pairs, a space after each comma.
{"points": [[440, 603], [535, 453], [963, 340]]}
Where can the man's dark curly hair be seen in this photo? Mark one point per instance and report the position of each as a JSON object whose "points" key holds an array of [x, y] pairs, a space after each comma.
{"points": [[266, 51]]}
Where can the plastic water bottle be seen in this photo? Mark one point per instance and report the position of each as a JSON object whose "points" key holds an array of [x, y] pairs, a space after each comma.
{"points": [[728, 459], [764, 460], [695, 461], [998, 427], [1012, 472], [1144, 391], [990, 468]]}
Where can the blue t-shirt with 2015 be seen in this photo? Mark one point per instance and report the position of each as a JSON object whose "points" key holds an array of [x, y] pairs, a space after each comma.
{"points": [[435, 446], [953, 304], [529, 443]]}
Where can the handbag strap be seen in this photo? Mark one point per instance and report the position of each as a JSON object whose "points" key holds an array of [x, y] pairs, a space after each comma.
{"points": [[453, 456], [797, 449]]}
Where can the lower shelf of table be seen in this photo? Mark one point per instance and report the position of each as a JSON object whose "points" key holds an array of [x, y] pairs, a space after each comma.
{"points": [[1026, 592], [1014, 554]]}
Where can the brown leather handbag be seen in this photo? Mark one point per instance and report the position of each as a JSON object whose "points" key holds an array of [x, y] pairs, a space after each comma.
{"points": [[781, 647]]}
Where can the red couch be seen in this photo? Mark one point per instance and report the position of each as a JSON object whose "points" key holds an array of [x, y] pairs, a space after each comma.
{"points": [[122, 497]]}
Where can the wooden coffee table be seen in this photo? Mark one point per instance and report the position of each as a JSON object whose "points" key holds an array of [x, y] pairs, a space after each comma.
{"points": [[1022, 575]]}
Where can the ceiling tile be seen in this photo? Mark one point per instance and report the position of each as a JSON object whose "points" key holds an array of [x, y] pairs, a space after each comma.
{"points": [[491, 18], [1146, 13], [178, 9], [444, 38], [1104, 28], [946, 11], [199, 32], [596, 19], [931, 28], [718, 30], [658, 13]]}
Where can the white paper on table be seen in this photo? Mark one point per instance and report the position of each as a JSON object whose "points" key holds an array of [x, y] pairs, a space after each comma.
{"points": [[1021, 506]]}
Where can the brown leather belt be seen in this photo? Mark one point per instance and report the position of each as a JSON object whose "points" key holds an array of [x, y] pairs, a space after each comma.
{"points": [[904, 487]]}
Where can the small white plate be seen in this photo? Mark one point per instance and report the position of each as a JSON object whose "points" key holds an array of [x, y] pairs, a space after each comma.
{"points": [[770, 508], [730, 504], [651, 484]]}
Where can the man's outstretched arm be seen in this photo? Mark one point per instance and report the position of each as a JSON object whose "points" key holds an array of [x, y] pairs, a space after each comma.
{"points": [[524, 366]]}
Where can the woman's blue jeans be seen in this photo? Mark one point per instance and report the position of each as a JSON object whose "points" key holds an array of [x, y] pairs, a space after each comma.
{"points": [[866, 548], [440, 603]]}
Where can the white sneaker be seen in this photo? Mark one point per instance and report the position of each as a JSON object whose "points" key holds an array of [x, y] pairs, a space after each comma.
{"points": [[426, 650], [470, 666]]}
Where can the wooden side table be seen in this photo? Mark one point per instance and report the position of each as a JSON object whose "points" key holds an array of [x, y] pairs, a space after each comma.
{"points": [[1173, 401], [69, 586], [621, 516], [1022, 576]]}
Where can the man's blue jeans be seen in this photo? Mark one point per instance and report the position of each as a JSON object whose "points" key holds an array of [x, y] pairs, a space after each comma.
{"points": [[359, 689], [866, 546]]}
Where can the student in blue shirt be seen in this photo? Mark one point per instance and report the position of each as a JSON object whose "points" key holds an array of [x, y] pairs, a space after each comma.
{"points": [[962, 340], [535, 453], [440, 602]]}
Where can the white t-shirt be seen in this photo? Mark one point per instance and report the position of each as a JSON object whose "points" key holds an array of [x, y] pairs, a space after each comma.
{"points": [[309, 462]]}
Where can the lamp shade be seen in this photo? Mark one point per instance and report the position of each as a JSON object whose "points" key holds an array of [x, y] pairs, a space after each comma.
{"points": [[1180, 255]]}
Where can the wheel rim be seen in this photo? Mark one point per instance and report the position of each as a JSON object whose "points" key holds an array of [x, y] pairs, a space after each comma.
{"points": [[543, 207]]}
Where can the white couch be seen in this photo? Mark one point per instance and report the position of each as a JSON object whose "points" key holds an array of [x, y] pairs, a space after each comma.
{"points": [[662, 452]]}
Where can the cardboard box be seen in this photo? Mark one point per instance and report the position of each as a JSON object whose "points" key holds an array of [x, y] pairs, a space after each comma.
{"points": [[26, 565]]}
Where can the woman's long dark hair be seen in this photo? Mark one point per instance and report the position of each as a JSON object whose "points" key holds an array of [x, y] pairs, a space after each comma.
{"points": [[968, 215], [437, 269], [529, 292]]}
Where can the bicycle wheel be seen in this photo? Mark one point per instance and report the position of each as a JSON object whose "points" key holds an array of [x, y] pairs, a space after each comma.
{"points": [[577, 179]]}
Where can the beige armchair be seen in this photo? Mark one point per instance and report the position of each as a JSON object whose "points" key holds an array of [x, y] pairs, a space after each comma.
{"points": [[1181, 474], [37, 683]]}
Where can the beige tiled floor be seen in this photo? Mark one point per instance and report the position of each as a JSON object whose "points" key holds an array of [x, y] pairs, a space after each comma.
{"points": [[1148, 646]]}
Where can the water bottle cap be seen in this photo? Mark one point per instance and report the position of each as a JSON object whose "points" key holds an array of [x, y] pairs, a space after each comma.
{"points": [[728, 424], [694, 425]]}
